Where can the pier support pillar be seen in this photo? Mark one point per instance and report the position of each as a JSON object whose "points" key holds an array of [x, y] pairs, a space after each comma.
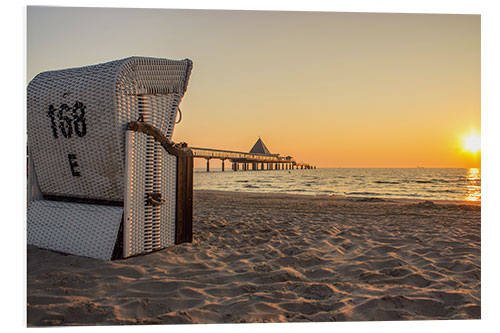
{"points": [[208, 165], [222, 165], [262, 166]]}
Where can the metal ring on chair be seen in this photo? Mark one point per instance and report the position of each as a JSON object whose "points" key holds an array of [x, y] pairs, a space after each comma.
{"points": [[158, 203], [180, 115], [155, 199]]}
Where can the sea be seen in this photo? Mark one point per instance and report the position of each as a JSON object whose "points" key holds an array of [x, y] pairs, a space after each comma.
{"points": [[413, 183]]}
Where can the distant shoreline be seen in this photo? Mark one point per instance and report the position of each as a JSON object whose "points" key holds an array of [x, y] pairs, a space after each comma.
{"points": [[347, 198]]}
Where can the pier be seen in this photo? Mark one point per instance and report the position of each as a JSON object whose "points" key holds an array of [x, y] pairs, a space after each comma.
{"points": [[259, 158]]}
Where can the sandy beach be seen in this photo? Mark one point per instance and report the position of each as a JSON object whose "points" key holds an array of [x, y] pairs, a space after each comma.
{"points": [[278, 258]]}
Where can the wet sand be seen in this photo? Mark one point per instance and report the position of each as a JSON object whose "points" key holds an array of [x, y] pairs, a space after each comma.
{"points": [[278, 258]]}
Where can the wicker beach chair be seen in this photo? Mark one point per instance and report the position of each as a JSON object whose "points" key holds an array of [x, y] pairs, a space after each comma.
{"points": [[105, 181]]}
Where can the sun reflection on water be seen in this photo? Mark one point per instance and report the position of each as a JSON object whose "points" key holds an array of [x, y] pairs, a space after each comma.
{"points": [[473, 184]]}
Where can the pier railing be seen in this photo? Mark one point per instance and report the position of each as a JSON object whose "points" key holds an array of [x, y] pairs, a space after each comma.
{"points": [[237, 155], [249, 161]]}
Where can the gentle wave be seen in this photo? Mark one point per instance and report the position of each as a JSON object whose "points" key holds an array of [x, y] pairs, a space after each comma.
{"points": [[368, 193]]}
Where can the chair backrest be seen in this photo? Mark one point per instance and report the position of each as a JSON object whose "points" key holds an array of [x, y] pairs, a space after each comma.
{"points": [[77, 119]]}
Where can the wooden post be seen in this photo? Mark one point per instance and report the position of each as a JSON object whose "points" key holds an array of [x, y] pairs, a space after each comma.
{"points": [[184, 218]]}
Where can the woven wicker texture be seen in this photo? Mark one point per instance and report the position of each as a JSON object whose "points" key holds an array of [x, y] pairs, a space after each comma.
{"points": [[168, 172], [33, 190], [149, 169], [77, 119], [85, 230]]}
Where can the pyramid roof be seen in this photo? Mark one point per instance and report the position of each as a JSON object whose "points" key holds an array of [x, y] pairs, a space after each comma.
{"points": [[260, 148]]}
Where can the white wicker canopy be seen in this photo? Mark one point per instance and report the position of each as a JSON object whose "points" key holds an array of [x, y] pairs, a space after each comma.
{"points": [[78, 117]]}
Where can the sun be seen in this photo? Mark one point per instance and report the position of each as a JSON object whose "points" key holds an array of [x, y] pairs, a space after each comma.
{"points": [[471, 143]]}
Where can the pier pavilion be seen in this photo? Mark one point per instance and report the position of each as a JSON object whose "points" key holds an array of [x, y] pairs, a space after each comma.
{"points": [[258, 158]]}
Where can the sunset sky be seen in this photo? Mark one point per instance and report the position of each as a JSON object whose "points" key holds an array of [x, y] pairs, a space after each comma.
{"points": [[331, 89]]}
